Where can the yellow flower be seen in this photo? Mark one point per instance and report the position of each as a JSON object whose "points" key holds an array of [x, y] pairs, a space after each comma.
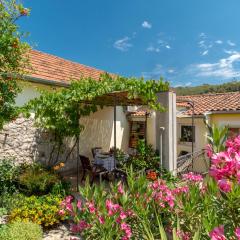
{"points": [[62, 164]]}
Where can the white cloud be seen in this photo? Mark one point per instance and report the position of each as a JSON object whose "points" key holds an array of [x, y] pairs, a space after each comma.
{"points": [[171, 70], [230, 52], [188, 84], [204, 53], [230, 43], [156, 73], [219, 42], [123, 44], [168, 47], [153, 49], [146, 24], [225, 68], [202, 35], [159, 71]]}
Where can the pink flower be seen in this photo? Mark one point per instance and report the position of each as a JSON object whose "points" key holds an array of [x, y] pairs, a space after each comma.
{"points": [[69, 199], [120, 188], [101, 220], [91, 207], [237, 233], [61, 212], [69, 207], [123, 215], [193, 177], [77, 228], [224, 185], [209, 150], [111, 207], [79, 204], [217, 233], [126, 228]]}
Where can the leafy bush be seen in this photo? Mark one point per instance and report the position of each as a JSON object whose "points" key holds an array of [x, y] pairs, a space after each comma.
{"points": [[21, 231], [9, 201], [36, 180], [8, 176], [41, 210]]}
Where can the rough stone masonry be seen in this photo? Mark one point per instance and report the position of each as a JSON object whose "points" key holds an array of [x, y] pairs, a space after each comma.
{"points": [[22, 141]]}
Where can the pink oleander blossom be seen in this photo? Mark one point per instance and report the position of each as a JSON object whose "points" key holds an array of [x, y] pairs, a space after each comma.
{"points": [[209, 150], [111, 207], [91, 207], [127, 230], [224, 185], [79, 204], [193, 177], [162, 194], [61, 212], [217, 233], [77, 228], [237, 233], [120, 188], [101, 220]]}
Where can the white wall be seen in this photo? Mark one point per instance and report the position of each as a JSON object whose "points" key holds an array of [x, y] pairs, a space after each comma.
{"points": [[29, 91], [99, 132]]}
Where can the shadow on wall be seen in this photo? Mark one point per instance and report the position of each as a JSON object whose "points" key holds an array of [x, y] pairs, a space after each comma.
{"points": [[97, 133]]}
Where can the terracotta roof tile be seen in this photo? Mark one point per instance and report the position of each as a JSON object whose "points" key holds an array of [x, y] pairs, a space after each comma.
{"points": [[50, 67], [211, 102]]}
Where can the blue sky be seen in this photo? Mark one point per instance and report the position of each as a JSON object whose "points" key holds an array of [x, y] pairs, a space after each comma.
{"points": [[188, 42]]}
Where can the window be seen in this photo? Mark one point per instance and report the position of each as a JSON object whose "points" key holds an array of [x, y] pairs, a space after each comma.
{"points": [[233, 132], [187, 134]]}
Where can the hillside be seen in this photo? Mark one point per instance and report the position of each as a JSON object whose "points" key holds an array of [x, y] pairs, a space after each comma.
{"points": [[207, 88]]}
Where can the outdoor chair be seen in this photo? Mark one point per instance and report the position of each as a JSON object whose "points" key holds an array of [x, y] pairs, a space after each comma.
{"points": [[94, 169], [95, 151]]}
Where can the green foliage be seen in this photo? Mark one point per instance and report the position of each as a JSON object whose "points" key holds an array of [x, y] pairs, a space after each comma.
{"points": [[21, 231], [146, 157], [217, 137], [59, 111], [41, 210], [9, 201], [36, 180], [13, 57], [8, 176], [233, 86]]}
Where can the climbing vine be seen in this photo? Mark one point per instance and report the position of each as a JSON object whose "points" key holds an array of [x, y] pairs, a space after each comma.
{"points": [[59, 111], [13, 58]]}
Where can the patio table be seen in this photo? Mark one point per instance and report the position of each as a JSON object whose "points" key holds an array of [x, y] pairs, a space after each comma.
{"points": [[106, 161]]}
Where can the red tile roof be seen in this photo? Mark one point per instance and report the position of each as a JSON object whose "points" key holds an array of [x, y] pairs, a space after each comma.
{"points": [[50, 67], [211, 102], [138, 113]]}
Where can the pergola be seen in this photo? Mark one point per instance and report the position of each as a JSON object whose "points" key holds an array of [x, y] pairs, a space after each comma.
{"points": [[113, 99]]}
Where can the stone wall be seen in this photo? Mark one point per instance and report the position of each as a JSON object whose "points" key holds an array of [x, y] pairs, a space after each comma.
{"points": [[22, 141]]}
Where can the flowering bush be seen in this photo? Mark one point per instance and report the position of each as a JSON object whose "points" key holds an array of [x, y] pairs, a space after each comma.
{"points": [[41, 210], [150, 208]]}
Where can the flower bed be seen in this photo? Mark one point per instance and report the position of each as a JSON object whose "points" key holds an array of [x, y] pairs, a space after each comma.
{"points": [[150, 208]]}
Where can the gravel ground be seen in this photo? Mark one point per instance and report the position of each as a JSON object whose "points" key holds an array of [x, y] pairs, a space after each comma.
{"points": [[59, 233]]}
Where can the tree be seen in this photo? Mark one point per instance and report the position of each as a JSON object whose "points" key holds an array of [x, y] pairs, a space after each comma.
{"points": [[13, 57]]}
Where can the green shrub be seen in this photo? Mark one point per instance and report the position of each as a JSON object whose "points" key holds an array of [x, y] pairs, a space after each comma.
{"points": [[36, 180], [8, 176], [42, 210], [21, 231]]}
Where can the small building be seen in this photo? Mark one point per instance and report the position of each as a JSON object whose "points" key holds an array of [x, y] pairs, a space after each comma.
{"points": [[221, 109]]}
